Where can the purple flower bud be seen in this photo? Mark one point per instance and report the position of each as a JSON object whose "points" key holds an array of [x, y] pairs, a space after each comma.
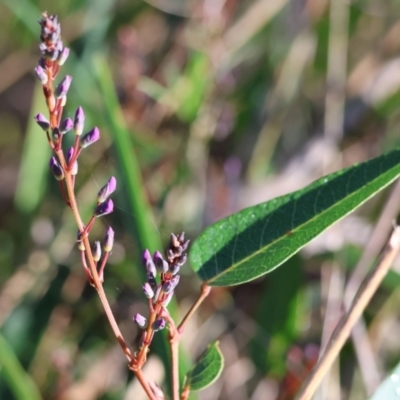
{"points": [[148, 291], [42, 121], [108, 240], [107, 189], [161, 265], [96, 251], [74, 168], [148, 263], [41, 75], [62, 57], [158, 324], [66, 125], [167, 287], [140, 321], [89, 138], [62, 88], [79, 121], [181, 260], [170, 285], [104, 208], [56, 169]]}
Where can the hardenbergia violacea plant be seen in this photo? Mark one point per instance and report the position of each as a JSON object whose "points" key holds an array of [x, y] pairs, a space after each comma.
{"points": [[235, 250]]}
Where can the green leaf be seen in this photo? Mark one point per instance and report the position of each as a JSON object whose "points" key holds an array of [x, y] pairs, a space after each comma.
{"points": [[389, 389], [258, 239], [20, 383], [207, 369]]}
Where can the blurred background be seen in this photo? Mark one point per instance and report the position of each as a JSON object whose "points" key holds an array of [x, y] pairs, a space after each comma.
{"points": [[205, 107]]}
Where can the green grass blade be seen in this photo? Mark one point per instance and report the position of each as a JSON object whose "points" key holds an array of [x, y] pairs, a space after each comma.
{"points": [[18, 380], [34, 161], [257, 240], [148, 235]]}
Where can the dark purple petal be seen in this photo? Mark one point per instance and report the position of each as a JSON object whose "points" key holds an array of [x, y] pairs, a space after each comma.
{"points": [[56, 169], [158, 324], [104, 208], [42, 121], [89, 138]]}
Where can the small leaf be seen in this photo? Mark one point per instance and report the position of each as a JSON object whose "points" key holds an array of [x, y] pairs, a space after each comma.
{"points": [[389, 389], [207, 369], [258, 239]]}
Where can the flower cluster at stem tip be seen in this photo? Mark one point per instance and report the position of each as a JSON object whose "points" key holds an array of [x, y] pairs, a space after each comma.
{"points": [[160, 293], [64, 165]]}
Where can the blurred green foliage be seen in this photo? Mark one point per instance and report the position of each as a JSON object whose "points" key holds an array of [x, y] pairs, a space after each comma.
{"points": [[222, 104]]}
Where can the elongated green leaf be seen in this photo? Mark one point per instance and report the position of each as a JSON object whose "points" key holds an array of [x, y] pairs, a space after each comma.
{"points": [[18, 380], [207, 369], [258, 239], [389, 389]]}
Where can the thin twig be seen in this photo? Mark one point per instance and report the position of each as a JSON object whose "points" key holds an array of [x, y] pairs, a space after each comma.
{"points": [[205, 291], [343, 330]]}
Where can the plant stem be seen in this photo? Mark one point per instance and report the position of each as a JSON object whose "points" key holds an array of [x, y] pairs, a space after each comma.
{"points": [[89, 257], [145, 385], [204, 292], [174, 346], [343, 330]]}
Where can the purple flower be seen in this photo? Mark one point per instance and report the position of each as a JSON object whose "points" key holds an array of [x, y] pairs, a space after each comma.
{"points": [[62, 57], [56, 169], [74, 168], [107, 189], [158, 324], [148, 263], [89, 138], [62, 88], [104, 208], [140, 321], [41, 75], [42, 121], [161, 265], [148, 291], [169, 286], [96, 251], [79, 121], [66, 125], [108, 240]]}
